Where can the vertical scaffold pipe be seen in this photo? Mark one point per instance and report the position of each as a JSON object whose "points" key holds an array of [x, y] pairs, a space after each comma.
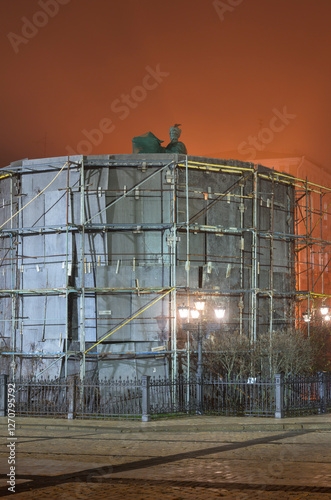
{"points": [[173, 247], [82, 271], [254, 260]]}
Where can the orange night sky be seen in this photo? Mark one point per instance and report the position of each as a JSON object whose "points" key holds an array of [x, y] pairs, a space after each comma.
{"points": [[245, 78]]}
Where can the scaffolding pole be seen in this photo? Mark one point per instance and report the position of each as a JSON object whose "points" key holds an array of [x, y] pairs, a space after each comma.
{"points": [[82, 273]]}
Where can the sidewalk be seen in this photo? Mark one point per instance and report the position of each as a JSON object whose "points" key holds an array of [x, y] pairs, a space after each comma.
{"points": [[183, 458], [178, 424]]}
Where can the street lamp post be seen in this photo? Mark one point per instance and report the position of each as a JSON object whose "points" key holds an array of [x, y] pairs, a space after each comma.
{"points": [[195, 314], [200, 363], [199, 308]]}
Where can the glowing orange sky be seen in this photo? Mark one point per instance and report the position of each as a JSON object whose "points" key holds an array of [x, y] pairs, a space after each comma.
{"points": [[225, 77]]}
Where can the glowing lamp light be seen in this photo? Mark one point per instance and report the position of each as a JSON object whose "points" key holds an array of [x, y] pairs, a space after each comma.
{"points": [[219, 312], [183, 312], [324, 310], [327, 317], [306, 318], [199, 305], [194, 313]]}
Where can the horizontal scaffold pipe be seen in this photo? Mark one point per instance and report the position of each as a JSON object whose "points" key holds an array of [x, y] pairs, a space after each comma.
{"points": [[307, 293], [41, 291], [148, 291], [296, 180], [136, 228], [63, 291], [126, 163], [193, 228], [92, 354], [214, 167], [229, 292], [74, 228], [311, 241], [33, 354], [18, 171]]}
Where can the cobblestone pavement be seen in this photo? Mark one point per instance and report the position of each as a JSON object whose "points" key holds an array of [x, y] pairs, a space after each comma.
{"points": [[178, 460]]}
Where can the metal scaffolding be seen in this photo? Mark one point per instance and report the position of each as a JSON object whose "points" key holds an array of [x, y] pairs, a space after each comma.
{"points": [[239, 234], [312, 251]]}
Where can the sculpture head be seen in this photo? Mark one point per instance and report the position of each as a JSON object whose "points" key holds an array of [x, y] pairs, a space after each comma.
{"points": [[175, 132]]}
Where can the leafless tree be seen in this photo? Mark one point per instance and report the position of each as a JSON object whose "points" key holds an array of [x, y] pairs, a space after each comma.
{"points": [[320, 339], [227, 354], [230, 354], [289, 352]]}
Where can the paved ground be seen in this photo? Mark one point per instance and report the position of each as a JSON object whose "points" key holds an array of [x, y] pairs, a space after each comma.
{"points": [[194, 458]]}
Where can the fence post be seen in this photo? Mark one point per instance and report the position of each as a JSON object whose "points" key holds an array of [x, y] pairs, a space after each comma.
{"points": [[145, 384], [72, 398], [323, 393], [199, 380], [3, 395], [279, 393]]}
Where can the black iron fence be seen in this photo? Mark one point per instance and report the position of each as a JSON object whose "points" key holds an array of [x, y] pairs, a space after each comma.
{"points": [[246, 397], [148, 398], [307, 394]]}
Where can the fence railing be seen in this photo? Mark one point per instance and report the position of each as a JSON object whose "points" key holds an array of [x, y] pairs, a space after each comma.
{"points": [[148, 398], [239, 397], [307, 394]]}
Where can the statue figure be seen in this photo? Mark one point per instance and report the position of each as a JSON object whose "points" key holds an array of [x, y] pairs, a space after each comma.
{"points": [[149, 143], [176, 146]]}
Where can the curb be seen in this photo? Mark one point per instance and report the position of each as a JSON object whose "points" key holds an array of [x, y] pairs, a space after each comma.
{"points": [[140, 427]]}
